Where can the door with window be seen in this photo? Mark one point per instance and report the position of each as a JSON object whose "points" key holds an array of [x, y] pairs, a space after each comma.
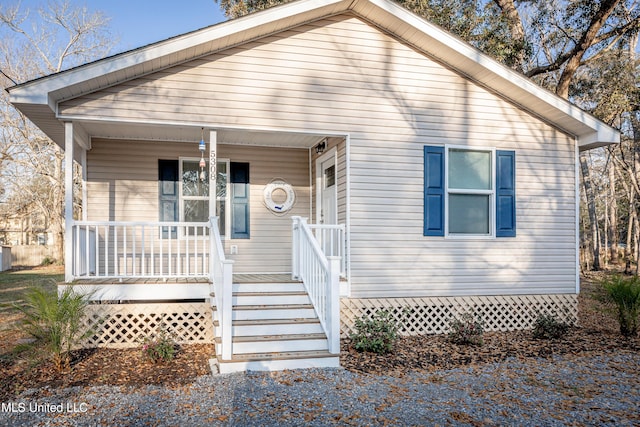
{"points": [[327, 201]]}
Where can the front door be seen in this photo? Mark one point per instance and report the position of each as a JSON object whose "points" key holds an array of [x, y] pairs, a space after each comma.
{"points": [[327, 200]]}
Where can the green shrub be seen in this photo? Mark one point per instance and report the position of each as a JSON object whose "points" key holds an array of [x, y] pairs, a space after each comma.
{"points": [[47, 260], [377, 334], [624, 292], [548, 326], [466, 330], [55, 321], [159, 348]]}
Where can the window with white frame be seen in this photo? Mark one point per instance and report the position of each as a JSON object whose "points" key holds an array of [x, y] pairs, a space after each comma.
{"points": [[195, 192], [470, 192]]}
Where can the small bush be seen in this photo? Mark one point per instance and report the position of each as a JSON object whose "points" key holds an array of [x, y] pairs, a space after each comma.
{"points": [[159, 348], [548, 326], [55, 321], [466, 330], [47, 261], [377, 335], [624, 292]]}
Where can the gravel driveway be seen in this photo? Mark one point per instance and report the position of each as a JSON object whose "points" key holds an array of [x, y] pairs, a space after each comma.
{"points": [[597, 389]]}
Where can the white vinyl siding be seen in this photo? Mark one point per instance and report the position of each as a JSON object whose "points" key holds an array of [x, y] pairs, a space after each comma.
{"points": [[343, 75]]}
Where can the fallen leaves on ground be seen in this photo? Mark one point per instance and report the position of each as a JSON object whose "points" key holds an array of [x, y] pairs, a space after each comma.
{"points": [[598, 331]]}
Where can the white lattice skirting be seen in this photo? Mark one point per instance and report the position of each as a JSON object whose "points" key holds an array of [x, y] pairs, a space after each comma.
{"points": [[126, 325], [418, 316]]}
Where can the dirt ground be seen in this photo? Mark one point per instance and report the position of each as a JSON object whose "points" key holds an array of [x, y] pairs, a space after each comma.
{"points": [[597, 332]]}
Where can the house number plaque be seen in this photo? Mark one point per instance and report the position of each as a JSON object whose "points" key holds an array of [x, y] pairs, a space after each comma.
{"points": [[212, 163]]}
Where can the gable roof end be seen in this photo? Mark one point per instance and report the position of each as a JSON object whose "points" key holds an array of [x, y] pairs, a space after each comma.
{"points": [[38, 99]]}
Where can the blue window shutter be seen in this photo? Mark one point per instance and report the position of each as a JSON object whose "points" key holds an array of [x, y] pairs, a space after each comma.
{"points": [[433, 191], [505, 193], [239, 174], [168, 195]]}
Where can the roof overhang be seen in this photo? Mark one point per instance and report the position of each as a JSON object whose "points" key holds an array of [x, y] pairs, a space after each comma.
{"points": [[38, 99]]}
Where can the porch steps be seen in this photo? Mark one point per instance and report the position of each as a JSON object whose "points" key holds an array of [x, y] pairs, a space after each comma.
{"points": [[277, 326], [274, 327], [271, 298], [276, 361]]}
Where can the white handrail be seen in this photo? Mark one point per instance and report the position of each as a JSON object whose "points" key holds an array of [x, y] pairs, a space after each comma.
{"points": [[222, 285], [332, 240], [321, 278], [122, 249]]}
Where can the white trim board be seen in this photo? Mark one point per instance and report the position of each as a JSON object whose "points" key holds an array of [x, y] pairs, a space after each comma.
{"points": [[141, 292]]}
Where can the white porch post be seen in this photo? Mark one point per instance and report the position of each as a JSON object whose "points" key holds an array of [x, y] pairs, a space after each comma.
{"points": [[68, 201], [213, 175], [83, 164], [333, 299]]}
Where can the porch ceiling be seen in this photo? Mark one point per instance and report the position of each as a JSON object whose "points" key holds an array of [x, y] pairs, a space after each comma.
{"points": [[188, 133]]}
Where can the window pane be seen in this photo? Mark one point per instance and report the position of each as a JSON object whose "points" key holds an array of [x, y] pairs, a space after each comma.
{"points": [[192, 183], [469, 169], [196, 210], [221, 181], [468, 214], [221, 208], [330, 176]]}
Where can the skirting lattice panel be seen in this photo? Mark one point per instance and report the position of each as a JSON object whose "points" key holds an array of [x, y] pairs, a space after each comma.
{"points": [[126, 325], [418, 316]]}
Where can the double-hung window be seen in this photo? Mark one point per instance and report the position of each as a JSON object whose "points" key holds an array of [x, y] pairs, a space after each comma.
{"points": [[184, 194], [469, 192], [195, 194]]}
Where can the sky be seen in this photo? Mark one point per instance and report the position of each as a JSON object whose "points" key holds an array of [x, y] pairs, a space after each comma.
{"points": [[140, 22]]}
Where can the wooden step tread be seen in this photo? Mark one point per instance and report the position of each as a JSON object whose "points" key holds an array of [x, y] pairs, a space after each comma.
{"points": [[273, 307], [285, 337], [261, 357], [265, 294], [264, 278], [260, 322], [263, 284], [270, 294]]}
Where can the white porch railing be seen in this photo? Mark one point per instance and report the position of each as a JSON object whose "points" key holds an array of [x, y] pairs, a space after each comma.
{"points": [[222, 284], [110, 249], [321, 277], [331, 238]]}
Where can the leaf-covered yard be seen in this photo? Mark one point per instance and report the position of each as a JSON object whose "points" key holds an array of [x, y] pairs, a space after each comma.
{"points": [[597, 333]]}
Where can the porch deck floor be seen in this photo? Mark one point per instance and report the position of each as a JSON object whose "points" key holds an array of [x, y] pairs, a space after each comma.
{"points": [[237, 278]]}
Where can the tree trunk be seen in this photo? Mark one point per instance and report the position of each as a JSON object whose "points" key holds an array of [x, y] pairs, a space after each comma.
{"points": [[591, 209], [605, 214], [632, 218], [613, 215], [516, 29], [58, 219], [581, 47], [636, 236]]}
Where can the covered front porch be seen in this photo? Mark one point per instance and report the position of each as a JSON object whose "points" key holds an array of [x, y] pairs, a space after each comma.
{"points": [[151, 231], [145, 204]]}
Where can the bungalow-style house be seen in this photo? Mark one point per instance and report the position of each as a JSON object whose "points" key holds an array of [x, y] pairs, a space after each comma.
{"points": [[266, 181]]}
